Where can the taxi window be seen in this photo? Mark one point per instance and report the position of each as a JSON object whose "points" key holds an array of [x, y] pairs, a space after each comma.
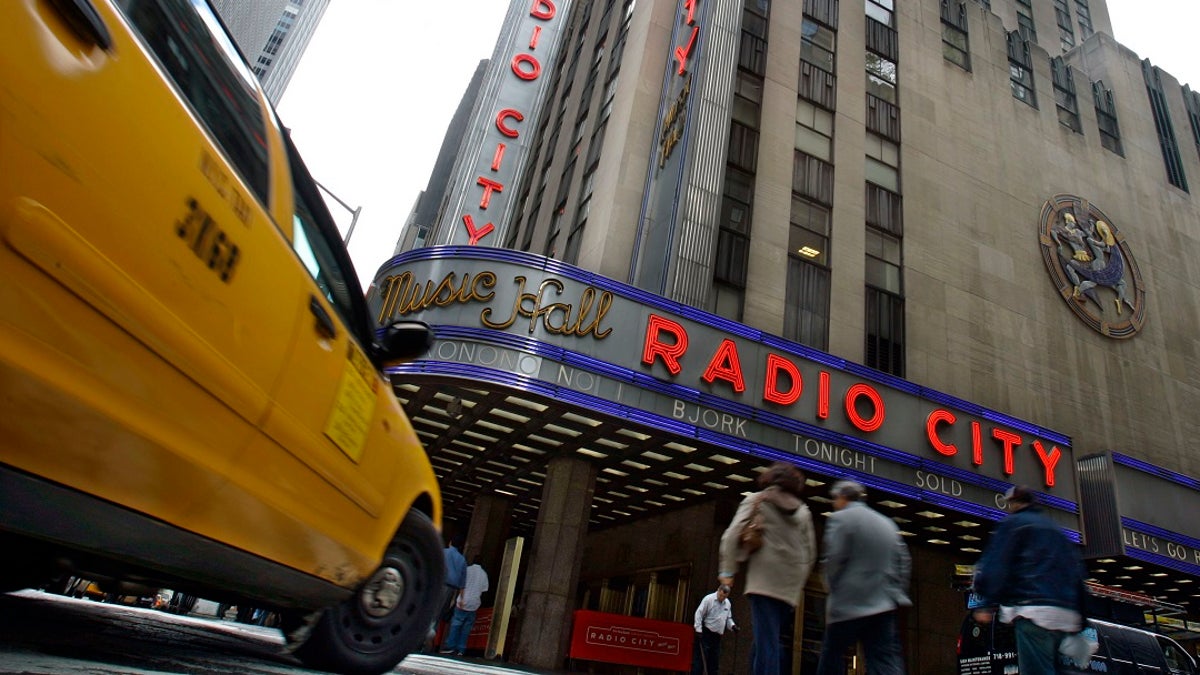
{"points": [[312, 227], [196, 53]]}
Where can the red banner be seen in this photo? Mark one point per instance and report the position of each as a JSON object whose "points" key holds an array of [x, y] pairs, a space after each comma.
{"points": [[629, 640], [478, 637]]}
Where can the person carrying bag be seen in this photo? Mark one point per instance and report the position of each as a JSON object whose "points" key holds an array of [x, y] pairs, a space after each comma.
{"points": [[777, 549]]}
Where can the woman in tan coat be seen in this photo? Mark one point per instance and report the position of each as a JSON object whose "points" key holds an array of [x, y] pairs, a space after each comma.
{"points": [[774, 575]]}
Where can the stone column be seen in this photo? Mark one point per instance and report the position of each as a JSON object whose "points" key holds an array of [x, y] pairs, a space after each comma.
{"points": [[549, 595], [490, 520]]}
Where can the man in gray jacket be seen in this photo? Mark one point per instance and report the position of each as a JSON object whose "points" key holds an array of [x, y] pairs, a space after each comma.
{"points": [[867, 569]]}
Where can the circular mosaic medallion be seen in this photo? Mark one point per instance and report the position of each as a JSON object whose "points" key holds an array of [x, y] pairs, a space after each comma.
{"points": [[1092, 267]]}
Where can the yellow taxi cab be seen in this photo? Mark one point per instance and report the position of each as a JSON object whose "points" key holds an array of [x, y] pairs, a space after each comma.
{"points": [[191, 390]]}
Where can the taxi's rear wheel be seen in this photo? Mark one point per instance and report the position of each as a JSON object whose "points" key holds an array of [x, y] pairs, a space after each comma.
{"points": [[388, 617]]}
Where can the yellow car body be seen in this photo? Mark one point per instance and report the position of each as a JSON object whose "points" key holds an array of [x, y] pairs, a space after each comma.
{"points": [[190, 389]]}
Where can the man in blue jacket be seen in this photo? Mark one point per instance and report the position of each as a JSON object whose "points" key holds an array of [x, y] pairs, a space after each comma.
{"points": [[1033, 572]]}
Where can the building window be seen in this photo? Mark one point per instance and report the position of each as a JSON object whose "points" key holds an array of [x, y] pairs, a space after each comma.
{"points": [[1084, 14], [747, 99], [1022, 83], [885, 303], [955, 46], [883, 162], [1162, 123], [883, 261], [1191, 101], [727, 301], [885, 332], [806, 316], [814, 130], [752, 55], [817, 45], [884, 210], [743, 147], [1025, 26], [1020, 69], [882, 11], [817, 82], [550, 249], [1062, 14], [735, 203], [1064, 95], [1106, 119], [881, 77]]}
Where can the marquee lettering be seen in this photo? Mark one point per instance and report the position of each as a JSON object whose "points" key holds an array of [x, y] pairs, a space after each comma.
{"points": [[725, 365], [557, 318], [1009, 441], [402, 295], [666, 343], [775, 365]]}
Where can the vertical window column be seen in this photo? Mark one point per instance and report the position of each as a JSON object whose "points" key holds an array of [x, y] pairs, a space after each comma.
{"points": [[1106, 118], [955, 46], [1162, 124], [1020, 69], [1065, 101], [733, 236], [1066, 33], [807, 304], [883, 278]]}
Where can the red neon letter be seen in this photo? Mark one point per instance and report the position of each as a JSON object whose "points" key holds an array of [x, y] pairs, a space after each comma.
{"points": [[776, 363], [852, 395], [476, 234], [681, 53], [823, 396], [670, 353], [489, 186], [537, 34], [690, 5], [534, 70], [1010, 441], [725, 365], [1049, 460], [976, 444], [498, 157], [507, 114], [931, 422], [542, 9]]}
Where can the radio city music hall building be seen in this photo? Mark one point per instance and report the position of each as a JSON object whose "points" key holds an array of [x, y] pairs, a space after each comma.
{"points": [[938, 247]]}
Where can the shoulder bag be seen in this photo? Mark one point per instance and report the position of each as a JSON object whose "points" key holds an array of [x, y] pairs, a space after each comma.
{"points": [[751, 537]]}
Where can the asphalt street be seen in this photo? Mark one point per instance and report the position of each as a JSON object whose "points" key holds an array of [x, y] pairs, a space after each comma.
{"points": [[43, 633]]}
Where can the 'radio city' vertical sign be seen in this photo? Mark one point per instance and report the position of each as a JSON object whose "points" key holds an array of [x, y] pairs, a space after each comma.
{"points": [[493, 153], [656, 229]]}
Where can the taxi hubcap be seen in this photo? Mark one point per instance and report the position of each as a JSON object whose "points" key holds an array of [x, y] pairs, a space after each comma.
{"points": [[382, 593]]}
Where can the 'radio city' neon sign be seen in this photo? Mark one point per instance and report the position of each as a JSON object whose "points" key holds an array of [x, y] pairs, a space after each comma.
{"points": [[865, 409], [526, 67], [684, 52]]}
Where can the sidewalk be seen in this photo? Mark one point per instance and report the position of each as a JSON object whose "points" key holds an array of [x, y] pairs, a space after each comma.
{"points": [[436, 664]]}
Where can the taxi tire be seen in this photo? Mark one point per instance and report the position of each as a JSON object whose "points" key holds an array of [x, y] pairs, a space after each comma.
{"points": [[346, 639]]}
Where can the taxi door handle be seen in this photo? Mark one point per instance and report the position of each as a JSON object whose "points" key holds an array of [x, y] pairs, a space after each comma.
{"points": [[83, 18], [324, 322]]}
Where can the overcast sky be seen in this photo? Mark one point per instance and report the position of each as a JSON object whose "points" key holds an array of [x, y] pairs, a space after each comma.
{"points": [[371, 99]]}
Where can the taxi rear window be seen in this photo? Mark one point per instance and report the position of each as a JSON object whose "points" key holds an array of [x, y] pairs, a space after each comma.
{"points": [[188, 40]]}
